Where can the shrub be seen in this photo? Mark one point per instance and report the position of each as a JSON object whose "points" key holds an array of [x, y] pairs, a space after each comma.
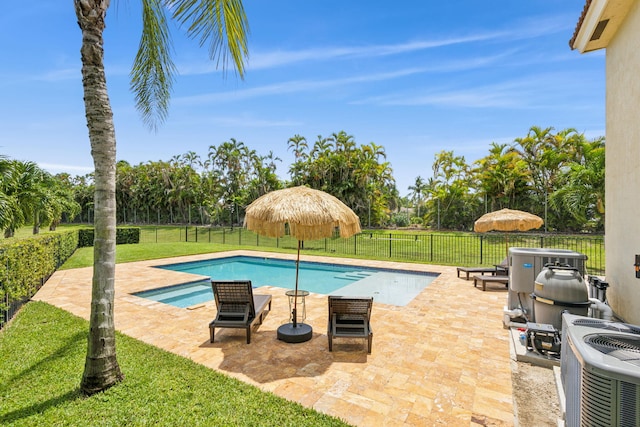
{"points": [[400, 220], [124, 235], [26, 264]]}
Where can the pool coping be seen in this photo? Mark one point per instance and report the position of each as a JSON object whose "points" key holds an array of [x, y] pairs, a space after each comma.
{"points": [[201, 279]]}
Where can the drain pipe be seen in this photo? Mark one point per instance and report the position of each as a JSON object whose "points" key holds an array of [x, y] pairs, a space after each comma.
{"points": [[516, 312], [603, 310]]}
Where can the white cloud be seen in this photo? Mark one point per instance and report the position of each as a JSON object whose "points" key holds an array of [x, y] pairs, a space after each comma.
{"points": [[278, 58], [289, 87], [528, 91], [313, 85]]}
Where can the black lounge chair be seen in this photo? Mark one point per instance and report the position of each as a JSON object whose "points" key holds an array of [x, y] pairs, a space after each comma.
{"points": [[500, 269], [350, 317], [237, 306], [484, 279]]}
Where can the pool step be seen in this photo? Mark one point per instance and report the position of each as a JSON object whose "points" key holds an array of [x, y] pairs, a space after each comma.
{"points": [[178, 293], [181, 296], [353, 275]]}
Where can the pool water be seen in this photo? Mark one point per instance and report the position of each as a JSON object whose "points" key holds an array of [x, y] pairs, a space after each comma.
{"points": [[386, 286]]}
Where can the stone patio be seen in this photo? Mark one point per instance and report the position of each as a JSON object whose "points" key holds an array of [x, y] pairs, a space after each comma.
{"points": [[441, 360]]}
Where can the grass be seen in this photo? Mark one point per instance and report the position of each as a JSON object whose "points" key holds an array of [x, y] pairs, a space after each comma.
{"points": [[42, 358], [83, 257], [410, 245]]}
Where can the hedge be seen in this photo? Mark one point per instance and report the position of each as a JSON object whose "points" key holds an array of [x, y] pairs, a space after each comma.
{"points": [[124, 235], [27, 263]]}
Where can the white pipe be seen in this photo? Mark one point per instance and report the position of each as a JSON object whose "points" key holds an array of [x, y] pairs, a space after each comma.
{"points": [[604, 311], [516, 312]]}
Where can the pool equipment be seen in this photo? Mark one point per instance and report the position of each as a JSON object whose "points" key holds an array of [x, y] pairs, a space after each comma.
{"points": [[598, 297], [558, 289], [543, 339], [524, 266], [600, 372]]}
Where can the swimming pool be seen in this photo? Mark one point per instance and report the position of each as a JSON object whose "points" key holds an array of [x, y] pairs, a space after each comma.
{"points": [[394, 287]]}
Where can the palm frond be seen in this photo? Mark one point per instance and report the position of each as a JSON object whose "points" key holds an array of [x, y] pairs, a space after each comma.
{"points": [[153, 69], [217, 23]]}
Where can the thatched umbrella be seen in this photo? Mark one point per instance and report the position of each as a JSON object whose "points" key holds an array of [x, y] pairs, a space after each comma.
{"points": [[507, 220], [310, 215]]}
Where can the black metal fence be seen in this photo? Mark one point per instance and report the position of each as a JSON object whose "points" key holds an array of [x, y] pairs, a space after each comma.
{"points": [[431, 248], [11, 306]]}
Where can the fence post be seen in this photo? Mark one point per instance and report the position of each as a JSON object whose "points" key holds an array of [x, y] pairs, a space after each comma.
{"points": [[390, 252], [186, 233], [355, 244], [542, 241], [481, 252], [224, 236], [240, 236], [431, 247]]}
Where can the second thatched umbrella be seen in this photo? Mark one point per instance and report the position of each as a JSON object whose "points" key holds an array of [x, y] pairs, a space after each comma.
{"points": [[310, 215], [507, 220]]}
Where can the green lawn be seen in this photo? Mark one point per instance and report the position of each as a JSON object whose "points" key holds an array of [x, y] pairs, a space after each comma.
{"points": [[411, 245], [83, 257], [42, 354]]}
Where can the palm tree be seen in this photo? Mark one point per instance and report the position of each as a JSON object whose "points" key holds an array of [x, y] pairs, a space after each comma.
{"points": [[234, 161], [503, 178], [582, 190], [6, 201], [25, 194], [222, 24], [416, 192], [546, 155], [62, 201], [298, 144]]}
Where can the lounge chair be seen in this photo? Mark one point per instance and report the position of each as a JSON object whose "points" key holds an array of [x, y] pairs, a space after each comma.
{"points": [[237, 306], [350, 317], [484, 279], [496, 270]]}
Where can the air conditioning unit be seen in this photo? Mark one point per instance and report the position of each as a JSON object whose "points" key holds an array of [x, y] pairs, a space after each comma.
{"points": [[600, 372]]}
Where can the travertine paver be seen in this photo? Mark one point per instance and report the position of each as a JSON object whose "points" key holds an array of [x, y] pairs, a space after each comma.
{"points": [[441, 360]]}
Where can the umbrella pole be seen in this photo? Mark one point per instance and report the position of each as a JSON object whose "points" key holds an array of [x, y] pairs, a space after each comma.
{"points": [[295, 295], [294, 332]]}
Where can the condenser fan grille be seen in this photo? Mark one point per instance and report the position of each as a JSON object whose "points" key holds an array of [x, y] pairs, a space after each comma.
{"points": [[626, 349], [610, 326]]}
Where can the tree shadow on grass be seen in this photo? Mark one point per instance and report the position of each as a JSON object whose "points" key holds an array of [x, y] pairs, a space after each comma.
{"points": [[64, 351], [40, 407], [69, 347]]}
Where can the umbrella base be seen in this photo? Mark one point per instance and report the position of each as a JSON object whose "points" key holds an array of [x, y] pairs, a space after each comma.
{"points": [[301, 333]]}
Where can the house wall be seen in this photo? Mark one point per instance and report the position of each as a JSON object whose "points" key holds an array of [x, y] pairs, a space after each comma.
{"points": [[622, 220]]}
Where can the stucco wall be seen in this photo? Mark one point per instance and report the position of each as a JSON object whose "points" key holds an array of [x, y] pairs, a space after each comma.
{"points": [[622, 221]]}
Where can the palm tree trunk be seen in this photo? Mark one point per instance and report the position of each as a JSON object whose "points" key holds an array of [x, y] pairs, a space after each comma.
{"points": [[101, 367], [36, 223]]}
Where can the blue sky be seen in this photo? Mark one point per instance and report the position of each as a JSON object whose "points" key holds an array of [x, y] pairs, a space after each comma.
{"points": [[417, 78]]}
